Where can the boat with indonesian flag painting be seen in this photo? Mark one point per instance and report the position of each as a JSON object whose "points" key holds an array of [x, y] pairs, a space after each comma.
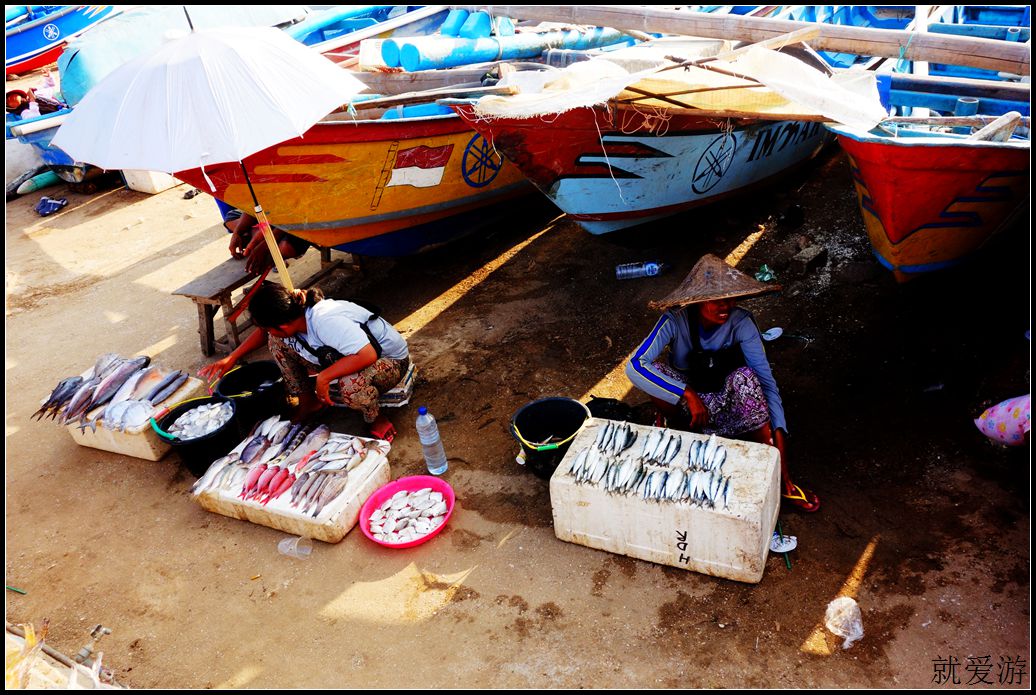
{"points": [[377, 186], [633, 135]]}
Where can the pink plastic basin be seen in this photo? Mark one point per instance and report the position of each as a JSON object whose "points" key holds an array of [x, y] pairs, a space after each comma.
{"points": [[410, 484]]}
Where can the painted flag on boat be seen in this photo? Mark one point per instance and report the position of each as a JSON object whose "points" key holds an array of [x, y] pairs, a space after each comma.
{"points": [[420, 166]]}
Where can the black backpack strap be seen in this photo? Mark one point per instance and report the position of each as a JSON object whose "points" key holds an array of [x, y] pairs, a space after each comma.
{"points": [[370, 336]]}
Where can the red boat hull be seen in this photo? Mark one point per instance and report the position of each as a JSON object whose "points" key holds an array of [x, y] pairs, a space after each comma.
{"points": [[930, 206], [44, 59]]}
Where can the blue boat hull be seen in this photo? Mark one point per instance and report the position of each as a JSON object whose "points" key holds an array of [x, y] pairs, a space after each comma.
{"points": [[38, 39]]}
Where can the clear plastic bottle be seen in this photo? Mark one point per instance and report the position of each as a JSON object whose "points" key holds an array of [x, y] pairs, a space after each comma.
{"points": [[628, 271], [431, 444]]}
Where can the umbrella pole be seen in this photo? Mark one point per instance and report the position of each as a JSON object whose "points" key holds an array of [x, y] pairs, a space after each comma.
{"points": [[264, 226]]}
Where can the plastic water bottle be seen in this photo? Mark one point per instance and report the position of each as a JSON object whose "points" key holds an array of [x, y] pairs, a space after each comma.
{"points": [[431, 444], [627, 271]]}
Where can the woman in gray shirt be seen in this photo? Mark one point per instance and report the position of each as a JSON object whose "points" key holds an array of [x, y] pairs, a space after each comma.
{"points": [[704, 367], [354, 355]]}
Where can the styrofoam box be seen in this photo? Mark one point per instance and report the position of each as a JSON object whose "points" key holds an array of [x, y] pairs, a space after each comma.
{"points": [[145, 181], [334, 521], [728, 542], [141, 442]]}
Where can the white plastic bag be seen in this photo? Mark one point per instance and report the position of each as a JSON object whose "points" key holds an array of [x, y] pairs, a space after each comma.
{"points": [[844, 619]]}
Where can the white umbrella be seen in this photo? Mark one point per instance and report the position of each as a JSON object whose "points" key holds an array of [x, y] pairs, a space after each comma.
{"points": [[209, 97]]}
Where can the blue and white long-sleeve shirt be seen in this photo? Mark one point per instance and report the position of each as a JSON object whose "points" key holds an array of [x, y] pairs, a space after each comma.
{"points": [[672, 331]]}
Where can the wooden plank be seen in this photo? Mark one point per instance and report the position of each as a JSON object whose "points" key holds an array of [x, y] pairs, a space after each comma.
{"points": [[742, 115], [206, 313], [391, 83], [950, 120], [964, 87], [431, 95], [228, 275], [229, 324], [804, 35], [1003, 56]]}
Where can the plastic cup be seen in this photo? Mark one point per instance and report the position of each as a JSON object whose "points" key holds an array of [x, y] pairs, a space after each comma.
{"points": [[297, 547]]}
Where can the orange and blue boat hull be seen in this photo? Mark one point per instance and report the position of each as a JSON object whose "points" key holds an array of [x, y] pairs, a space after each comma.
{"points": [[346, 182], [929, 203]]}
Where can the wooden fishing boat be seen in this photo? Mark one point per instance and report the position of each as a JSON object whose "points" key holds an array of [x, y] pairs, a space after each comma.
{"points": [[35, 35], [377, 186], [667, 141], [931, 199], [616, 166], [86, 61]]}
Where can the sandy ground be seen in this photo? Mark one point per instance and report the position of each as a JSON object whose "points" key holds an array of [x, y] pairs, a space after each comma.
{"points": [[924, 521]]}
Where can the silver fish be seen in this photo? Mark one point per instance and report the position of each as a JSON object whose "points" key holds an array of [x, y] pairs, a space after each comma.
{"points": [[674, 483], [105, 363], [80, 400], [719, 458], [671, 456], [577, 462], [254, 449], [331, 491], [166, 389], [313, 442], [299, 484], [710, 451], [696, 453], [59, 396]]}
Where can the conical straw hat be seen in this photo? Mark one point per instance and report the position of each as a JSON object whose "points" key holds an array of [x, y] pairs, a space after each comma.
{"points": [[710, 279]]}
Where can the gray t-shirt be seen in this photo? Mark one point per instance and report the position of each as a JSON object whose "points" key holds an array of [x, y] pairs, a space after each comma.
{"points": [[336, 323]]}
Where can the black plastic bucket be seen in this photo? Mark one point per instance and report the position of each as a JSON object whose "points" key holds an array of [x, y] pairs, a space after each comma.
{"points": [[545, 429], [254, 401], [199, 453]]}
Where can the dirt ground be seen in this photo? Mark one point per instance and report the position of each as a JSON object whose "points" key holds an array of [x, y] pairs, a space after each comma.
{"points": [[924, 521]]}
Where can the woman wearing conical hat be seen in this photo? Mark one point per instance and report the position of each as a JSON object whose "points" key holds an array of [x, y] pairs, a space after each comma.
{"points": [[704, 367]]}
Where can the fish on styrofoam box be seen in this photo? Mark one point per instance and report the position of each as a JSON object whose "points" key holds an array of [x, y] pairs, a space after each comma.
{"points": [[731, 542], [139, 442], [334, 521]]}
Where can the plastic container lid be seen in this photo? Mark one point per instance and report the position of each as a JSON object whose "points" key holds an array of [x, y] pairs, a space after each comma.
{"points": [[422, 410]]}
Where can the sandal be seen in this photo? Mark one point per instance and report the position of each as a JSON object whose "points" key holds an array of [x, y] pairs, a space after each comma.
{"points": [[382, 429], [802, 499]]}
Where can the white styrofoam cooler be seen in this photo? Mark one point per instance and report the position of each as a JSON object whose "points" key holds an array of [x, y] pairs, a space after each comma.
{"points": [[732, 543], [145, 181], [331, 525], [141, 442]]}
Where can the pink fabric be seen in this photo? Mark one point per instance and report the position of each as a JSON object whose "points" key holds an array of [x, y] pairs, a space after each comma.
{"points": [[1007, 422]]}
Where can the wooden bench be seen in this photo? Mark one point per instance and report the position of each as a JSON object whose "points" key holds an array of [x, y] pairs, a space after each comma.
{"points": [[212, 291]]}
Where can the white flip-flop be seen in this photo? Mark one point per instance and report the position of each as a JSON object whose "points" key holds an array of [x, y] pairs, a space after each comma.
{"points": [[772, 334]]}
